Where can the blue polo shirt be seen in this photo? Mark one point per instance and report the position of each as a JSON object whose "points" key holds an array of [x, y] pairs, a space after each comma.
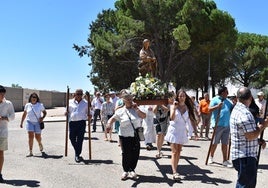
{"points": [[224, 120]]}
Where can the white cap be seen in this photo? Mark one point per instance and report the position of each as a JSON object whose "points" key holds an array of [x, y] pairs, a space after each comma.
{"points": [[260, 93]]}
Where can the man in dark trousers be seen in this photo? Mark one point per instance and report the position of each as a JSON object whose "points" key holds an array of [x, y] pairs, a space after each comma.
{"points": [[96, 106], [244, 139], [78, 114]]}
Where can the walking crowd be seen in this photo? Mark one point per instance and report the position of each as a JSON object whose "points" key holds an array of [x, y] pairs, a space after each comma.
{"points": [[230, 120]]}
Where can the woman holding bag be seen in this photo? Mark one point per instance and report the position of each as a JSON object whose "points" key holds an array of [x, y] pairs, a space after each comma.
{"points": [[129, 117], [34, 112]]}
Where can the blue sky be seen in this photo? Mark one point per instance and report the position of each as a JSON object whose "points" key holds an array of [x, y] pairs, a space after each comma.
{"points": [[36, 38]]}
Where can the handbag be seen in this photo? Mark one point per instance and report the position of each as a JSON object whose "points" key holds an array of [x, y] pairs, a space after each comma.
{"points": [[138, 132], [42, 125], [157, 125], [156, 122]]}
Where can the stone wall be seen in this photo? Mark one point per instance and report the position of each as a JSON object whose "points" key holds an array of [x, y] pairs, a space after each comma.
{"points": [[19, 97]]}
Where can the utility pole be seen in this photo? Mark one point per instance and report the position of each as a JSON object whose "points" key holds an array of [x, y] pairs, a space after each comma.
{"points": [[209, 77]]}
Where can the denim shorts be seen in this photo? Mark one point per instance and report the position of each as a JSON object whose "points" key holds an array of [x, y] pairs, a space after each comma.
{"points": [[33, 127]]}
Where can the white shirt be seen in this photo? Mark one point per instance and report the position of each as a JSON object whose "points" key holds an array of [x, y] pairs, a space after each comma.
{"points": [[6, 110], [114, 100], [34, 111], [261, 105], [122, 115], [96, 103], [78, 111]]}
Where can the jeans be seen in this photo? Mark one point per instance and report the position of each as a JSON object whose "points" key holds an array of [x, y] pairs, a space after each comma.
{"points": [[77, 131], [247, 172]]}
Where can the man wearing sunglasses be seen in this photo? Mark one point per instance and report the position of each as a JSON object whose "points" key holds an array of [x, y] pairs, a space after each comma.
{"points": [[78, 114]]}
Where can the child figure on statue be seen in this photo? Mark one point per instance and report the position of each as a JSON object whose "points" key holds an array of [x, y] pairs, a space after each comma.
{"points": [[147, 62]]}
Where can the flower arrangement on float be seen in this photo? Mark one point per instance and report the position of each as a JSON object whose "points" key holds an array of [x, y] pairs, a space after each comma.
{"points": [[148, 87]]}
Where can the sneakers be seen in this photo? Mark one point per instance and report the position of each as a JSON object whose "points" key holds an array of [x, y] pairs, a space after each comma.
{"points": [[133, 175], [1, 179], [227, 164], [124, 176], [210, 160]]}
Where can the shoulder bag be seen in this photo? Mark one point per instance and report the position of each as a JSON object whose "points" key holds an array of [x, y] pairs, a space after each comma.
{"points": [[42, 125], [138, 132]]}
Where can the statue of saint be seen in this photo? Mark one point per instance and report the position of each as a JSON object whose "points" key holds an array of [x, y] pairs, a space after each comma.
{"points": [[147, 62]]}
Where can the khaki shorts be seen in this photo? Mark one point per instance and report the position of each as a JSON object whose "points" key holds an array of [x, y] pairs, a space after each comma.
{"points": [[3, 144]]}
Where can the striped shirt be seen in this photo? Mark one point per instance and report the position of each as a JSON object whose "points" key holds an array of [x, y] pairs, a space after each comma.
{"points": [[241, 122]]}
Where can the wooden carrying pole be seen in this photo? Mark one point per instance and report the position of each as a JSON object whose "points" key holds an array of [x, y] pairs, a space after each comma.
{"points": [[89, 120], [229, 148], [261, 137], [213, 134], [67, 121]]}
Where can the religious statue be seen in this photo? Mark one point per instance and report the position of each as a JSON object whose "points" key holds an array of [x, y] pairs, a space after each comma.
{"points": [[147, 62]]}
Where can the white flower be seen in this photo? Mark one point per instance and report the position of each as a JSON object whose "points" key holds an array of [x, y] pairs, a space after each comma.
{"points": [[147, 86]]}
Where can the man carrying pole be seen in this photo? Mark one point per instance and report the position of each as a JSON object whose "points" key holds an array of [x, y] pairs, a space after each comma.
{"points": [[244, 138], [78, 113], [213, 135], [222, 131]]}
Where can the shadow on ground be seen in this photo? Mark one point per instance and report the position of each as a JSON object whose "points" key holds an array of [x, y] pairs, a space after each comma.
{"points": [[46, 156], [189, 172], [27, 183]]}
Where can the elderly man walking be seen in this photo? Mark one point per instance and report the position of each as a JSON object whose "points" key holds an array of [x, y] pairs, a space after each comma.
{"points": [[244, 140]]}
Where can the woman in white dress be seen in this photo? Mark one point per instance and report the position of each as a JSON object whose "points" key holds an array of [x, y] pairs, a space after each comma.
{"points": [[181, 118]]}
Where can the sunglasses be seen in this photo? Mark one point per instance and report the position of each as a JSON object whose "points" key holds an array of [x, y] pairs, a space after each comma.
{"points": [[79, 94], [34, 97]]}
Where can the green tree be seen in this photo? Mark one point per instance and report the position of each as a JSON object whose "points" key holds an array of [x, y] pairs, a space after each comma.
{"points": [[249, 61], [182, 32], [16, 86]]}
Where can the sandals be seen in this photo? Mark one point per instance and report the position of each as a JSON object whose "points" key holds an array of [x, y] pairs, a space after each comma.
{"points": [[41, 147], [176, 176], [159, 155], [30, 154]]}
